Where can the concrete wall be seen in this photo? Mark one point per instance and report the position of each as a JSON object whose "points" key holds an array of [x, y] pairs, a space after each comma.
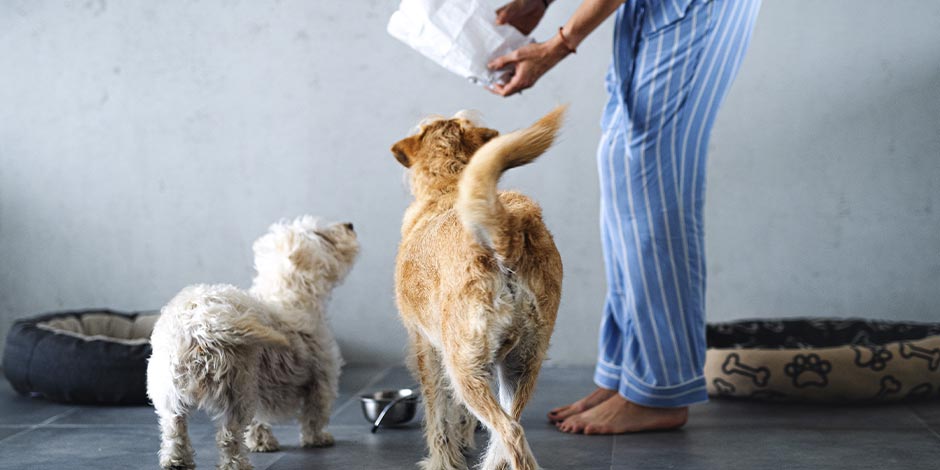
{"points": [[144, 145]]}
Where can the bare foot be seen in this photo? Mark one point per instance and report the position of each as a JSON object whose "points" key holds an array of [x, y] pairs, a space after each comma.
{"points": [[617, 415], [595, 398]]}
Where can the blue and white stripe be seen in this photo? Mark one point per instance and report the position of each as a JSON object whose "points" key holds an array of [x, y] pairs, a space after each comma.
{"points": [[673, 63]]}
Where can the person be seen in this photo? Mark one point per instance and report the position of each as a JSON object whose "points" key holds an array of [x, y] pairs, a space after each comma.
{"points": [[673, 62]]}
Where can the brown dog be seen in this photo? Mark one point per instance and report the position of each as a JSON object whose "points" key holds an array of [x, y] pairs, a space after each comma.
{"points": [[478, 281]]}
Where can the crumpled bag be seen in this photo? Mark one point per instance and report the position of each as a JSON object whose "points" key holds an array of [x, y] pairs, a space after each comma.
{"points": [[460, 35]]}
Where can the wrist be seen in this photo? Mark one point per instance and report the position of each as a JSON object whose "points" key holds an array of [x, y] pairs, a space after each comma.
{"points": [[557, 47], [540, 5], [571, 38], [566, 41]]}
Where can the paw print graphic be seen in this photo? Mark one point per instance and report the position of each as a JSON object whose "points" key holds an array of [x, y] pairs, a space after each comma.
{"points": [[808, 370]]}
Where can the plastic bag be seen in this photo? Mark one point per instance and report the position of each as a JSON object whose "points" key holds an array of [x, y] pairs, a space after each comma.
{"points": [[460, 35]]}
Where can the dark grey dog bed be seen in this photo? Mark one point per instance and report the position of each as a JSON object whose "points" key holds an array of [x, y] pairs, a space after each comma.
{"points": [[88, 357]]}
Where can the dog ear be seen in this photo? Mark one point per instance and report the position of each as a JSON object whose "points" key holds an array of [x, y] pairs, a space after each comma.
{"points": [[484, 134], [405, 149], [300, 259]]}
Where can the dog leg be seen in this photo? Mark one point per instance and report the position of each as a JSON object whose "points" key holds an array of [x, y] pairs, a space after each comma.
{"points": [[471, 379], [315, 414], [260, 438], [519, 371], [495, 457], [516, 375], [176, 450], [444, 447], [463, 424], [233, 454]]}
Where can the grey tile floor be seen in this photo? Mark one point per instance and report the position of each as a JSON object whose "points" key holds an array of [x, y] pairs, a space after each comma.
{"points": [[723, 435]]}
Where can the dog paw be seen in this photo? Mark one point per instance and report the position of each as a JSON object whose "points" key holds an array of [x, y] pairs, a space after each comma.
{"points": [[261, 439], [263, 446], [504, 465], [431, 463], [323, 439], [235, 464], [177, 464]]}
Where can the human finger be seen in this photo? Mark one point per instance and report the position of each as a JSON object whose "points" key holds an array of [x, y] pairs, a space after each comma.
{"points": [[515, 85], [504, 60]]}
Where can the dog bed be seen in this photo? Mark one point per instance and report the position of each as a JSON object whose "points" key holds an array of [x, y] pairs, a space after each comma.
{"points": [[823, 360], [88, 357]]}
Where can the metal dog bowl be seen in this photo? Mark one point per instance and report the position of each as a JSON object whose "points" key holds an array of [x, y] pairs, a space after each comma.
{"points": [[390, 407]]}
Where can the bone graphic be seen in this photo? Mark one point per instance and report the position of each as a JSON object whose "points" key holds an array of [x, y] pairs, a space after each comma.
{"points": [[723, 386], [889, 385], [932, 356], [733, 365]]}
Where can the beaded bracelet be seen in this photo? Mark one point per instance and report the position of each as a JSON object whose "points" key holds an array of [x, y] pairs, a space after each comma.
{"points": [[564, 40]]}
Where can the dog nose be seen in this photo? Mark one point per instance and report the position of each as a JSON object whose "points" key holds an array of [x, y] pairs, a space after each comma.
{"points": [[349, 226]]}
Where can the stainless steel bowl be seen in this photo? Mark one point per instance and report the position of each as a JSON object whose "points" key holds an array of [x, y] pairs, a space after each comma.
{"points": [[404, 405]]}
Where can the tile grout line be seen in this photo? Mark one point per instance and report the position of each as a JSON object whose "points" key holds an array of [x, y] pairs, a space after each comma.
{"points": [[381, 375], [42, 424], [922, 421]]}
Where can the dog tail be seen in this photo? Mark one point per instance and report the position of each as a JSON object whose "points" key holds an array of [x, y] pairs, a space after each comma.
{"points": [[478, 205], [222, 317], [241, 331]]}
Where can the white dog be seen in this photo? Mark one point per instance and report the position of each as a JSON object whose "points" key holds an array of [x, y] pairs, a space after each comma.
{"points": [[249, 358]]}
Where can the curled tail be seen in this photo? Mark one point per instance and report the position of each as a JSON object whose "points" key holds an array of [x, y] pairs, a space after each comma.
{"points": [[243, 331], [478, 206]]}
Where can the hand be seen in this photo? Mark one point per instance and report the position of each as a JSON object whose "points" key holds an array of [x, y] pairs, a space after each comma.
{"points": [[524, 15], [531, 61]]}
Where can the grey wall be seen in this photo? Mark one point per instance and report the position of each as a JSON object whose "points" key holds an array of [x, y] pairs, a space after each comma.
{"points": [[144, 145]]}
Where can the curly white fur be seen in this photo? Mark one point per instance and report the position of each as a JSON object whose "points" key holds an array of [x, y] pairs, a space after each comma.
{"points": [[249, 358]]}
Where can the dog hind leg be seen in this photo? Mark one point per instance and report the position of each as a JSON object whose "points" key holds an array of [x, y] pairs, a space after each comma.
{"points": [[462, 423], [516, 376], [471, 379], [176, 450], [230, 436], [518, 373], [315, 413], [444, 445]]}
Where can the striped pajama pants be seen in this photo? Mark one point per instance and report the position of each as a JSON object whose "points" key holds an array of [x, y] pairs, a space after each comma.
{"points": [[673, 63]]}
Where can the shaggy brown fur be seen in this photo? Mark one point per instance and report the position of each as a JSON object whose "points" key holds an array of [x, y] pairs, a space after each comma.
{"points": [[478, 282]]}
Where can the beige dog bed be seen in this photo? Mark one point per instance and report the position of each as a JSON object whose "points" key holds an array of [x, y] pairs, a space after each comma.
{"points": [[823, 360]]}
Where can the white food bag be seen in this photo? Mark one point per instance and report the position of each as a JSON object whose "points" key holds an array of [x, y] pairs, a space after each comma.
{"points": [[460, 35]]}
